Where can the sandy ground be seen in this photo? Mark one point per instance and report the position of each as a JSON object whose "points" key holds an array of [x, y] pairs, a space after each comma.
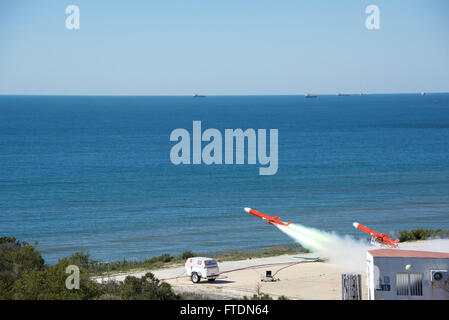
{"points": [[303, 280], [298, 276], [226, 266]]}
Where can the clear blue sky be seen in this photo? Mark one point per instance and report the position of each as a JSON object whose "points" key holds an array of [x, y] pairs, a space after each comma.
{"points": [[170, 47]]}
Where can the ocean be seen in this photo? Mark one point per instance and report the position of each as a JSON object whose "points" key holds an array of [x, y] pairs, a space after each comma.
{"points": [[94, 172]]}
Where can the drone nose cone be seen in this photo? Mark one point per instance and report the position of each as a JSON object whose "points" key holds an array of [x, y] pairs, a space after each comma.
{"points": [[247, 209], [356, 225]]}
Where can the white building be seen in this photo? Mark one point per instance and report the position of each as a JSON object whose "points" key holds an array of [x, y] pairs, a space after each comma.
{"points": [[395, 274]]}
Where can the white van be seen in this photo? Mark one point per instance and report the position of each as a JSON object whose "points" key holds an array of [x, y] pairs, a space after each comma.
{"points": [[202, 267]]}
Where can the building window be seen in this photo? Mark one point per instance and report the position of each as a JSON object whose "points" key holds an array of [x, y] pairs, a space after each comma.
{"points": [[409, 284], [402, 284], [416, 284]]}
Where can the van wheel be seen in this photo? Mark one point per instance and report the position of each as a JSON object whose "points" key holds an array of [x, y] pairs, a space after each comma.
{"points": [[195, 277], [211, 279]]}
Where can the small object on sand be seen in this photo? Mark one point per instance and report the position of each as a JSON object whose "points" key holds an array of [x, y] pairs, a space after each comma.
{"points": [[267, 277]]}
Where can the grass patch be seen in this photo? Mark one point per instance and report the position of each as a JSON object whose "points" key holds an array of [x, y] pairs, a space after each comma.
{"points": [[95, 268], [162, 261], [260, 253]]}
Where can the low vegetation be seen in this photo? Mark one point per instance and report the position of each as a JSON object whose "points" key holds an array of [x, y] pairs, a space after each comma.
{"points": [[261, 253], [100, 268], [421, 234], [146, 288], [166, 260], [25, 276]]}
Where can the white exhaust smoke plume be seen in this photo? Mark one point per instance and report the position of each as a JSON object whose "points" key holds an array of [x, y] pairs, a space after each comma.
{"points": [[346, 252], [342, 251]]}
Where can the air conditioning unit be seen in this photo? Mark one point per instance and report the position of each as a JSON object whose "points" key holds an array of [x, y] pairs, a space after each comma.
{"points": [[439, 275]]}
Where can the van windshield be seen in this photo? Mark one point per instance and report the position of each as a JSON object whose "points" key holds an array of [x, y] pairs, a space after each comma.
{"points": [[210, 262]]}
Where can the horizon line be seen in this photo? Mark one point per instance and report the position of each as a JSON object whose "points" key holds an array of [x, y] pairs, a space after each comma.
{"points": [[222, 95]]}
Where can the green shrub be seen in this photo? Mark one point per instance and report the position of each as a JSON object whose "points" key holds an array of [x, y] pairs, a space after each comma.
{"points": [[16, 259], [421, 234], [147, 288], [186, 255], [80, 259], [50, 284]]}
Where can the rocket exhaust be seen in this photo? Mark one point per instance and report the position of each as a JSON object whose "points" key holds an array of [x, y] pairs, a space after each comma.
{"points": [[343, 251]]}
